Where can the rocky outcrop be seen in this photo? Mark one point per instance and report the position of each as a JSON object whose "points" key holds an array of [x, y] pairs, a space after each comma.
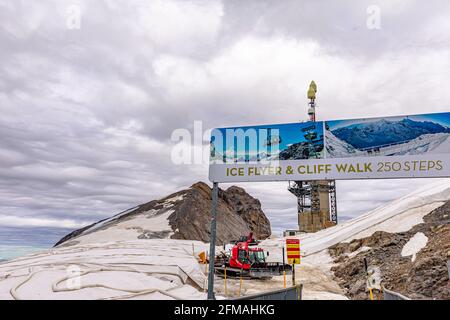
{"points": [[300, 150], [189, 217], [425, 277], [295, 151], [249, 209]]}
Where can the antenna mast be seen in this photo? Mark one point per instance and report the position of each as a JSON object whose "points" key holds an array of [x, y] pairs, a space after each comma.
{"points": [[316, 200]]}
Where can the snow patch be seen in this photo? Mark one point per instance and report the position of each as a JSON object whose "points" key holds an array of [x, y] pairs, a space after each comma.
{"points": [[150, 213], [355, 253], [131, 229], [414, 245], [100, 224], [158, 222], [175, 199]]}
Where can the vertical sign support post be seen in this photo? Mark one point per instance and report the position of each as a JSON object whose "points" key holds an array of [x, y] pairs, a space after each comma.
{"points": [[293, 254], [293, 274], [212, 244], [284, 271]]}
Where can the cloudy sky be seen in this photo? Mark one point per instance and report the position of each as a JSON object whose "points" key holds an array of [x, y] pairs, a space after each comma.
{"points": [[88, 102]]}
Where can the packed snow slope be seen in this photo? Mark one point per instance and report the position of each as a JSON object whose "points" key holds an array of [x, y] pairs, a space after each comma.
{"points": [[140, 269]]}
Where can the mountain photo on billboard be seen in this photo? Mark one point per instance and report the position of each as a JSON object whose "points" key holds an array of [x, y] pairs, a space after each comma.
{"points": [[291, 141], [390, 136]]}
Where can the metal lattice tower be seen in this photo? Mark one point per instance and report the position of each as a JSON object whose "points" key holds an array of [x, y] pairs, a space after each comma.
{"points": [[316, 200]]}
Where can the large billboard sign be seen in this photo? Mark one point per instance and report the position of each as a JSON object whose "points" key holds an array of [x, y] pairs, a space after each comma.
{"points": [[391, 147]]}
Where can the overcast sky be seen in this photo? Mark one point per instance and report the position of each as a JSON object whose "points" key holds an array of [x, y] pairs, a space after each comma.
{"points": [[87, 109]]}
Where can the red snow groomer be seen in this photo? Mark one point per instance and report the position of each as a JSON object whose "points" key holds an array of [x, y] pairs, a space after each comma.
{"points": [[248, 261]]}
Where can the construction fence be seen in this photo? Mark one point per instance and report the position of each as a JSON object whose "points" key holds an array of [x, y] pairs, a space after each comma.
{"points": [[295, 293], [292, 293]]}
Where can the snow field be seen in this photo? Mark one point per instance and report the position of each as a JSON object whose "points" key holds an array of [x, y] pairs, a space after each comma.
{"points": [[140, 269], [414, 245]]}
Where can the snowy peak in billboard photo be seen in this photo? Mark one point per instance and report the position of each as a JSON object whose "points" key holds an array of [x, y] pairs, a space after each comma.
{"points": [[388, 137], [383, 132]]}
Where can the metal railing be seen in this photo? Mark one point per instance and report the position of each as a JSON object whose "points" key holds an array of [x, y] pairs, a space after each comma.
{"points": [[384, 145], [292, 293], [391, 295]]}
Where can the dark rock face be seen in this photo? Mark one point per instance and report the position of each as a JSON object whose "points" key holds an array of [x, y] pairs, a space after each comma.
{"points": [[424, 278], [249, 209], [238, 213], [301, 150]]}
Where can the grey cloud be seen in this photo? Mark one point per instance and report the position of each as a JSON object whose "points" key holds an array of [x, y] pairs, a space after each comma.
{"points": [[87, 115]]}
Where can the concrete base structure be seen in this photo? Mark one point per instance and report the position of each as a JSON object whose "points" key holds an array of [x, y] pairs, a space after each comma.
{"points": [[313, 222], [318, 217]]}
